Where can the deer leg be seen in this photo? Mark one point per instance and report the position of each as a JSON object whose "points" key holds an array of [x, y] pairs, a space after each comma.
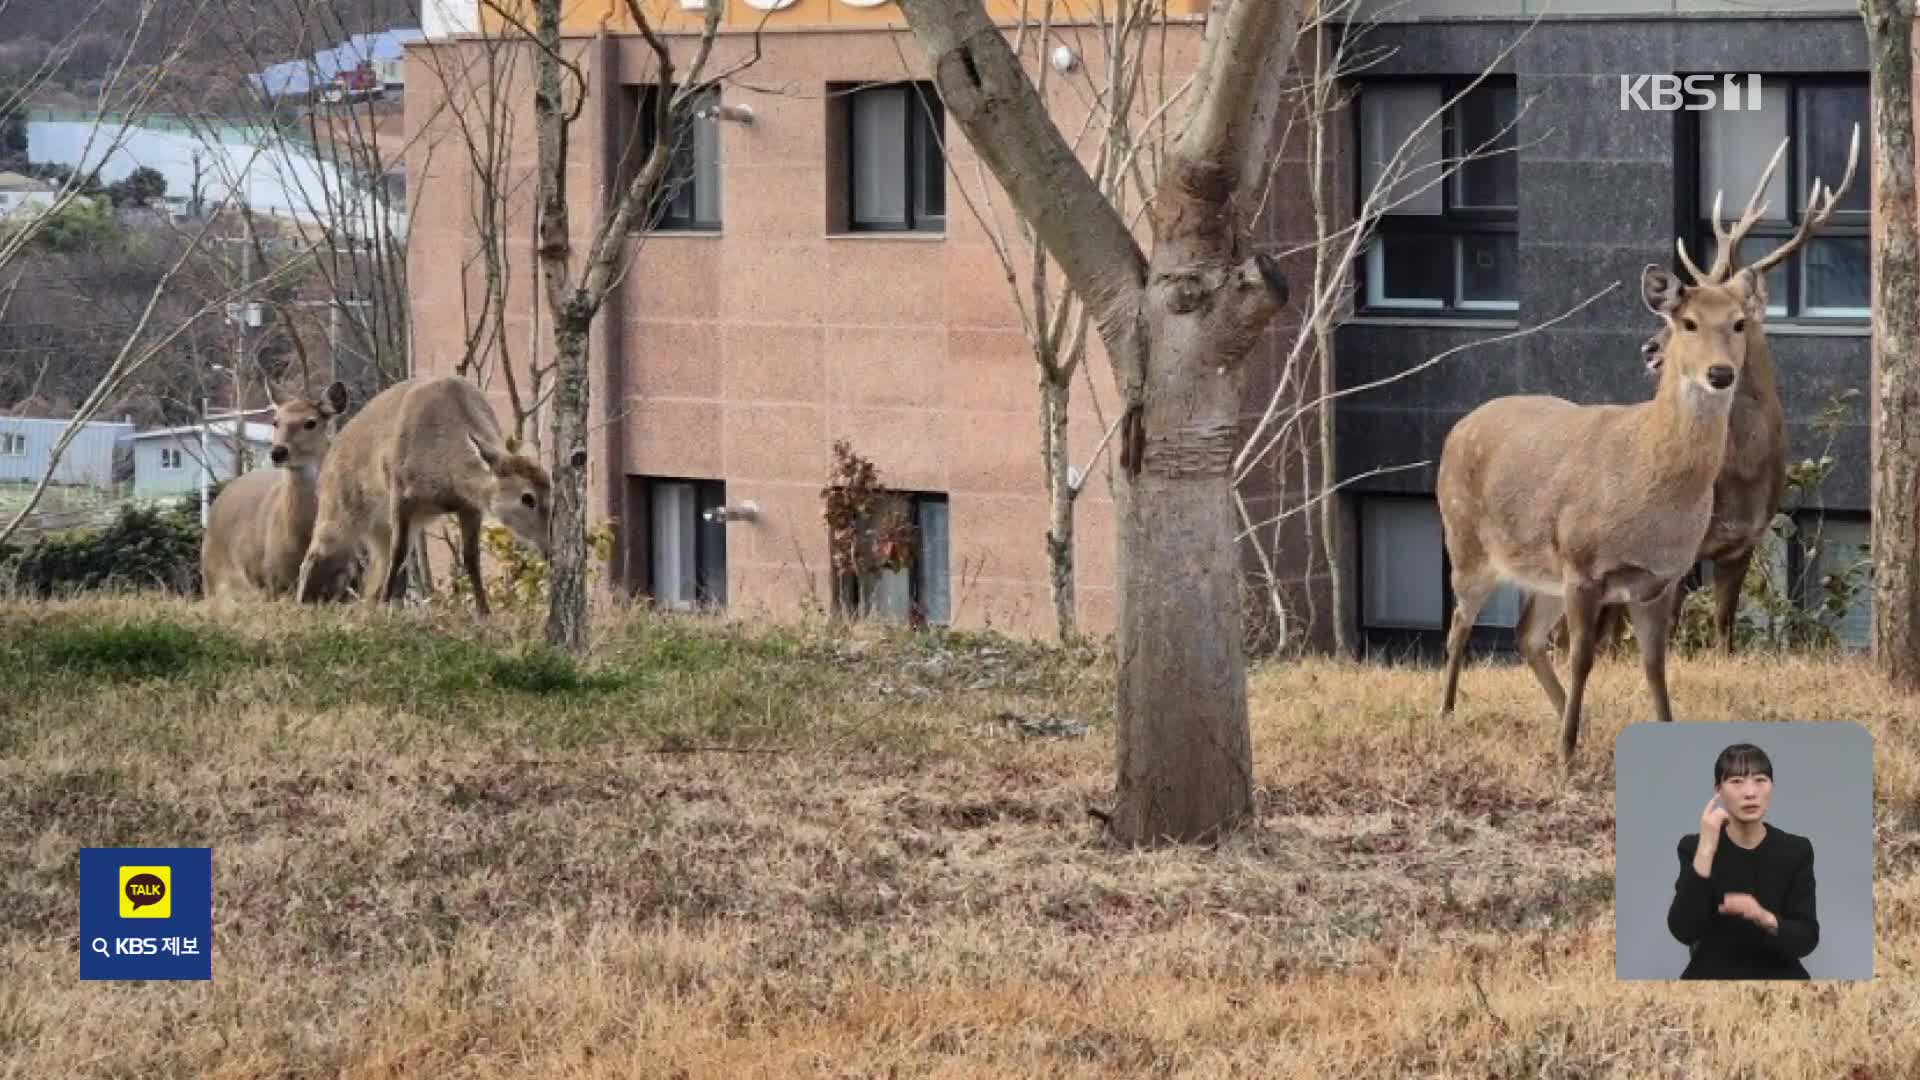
{"points": [[1539, 616], [470, 554], [373, 590], [394, 585], [1607, 633], [1470, 591], [1583, 611], [1653, 625], [1728, 575], [320, 565]]}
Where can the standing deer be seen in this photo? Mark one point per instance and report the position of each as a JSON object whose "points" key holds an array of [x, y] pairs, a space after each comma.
{"points": [[259, 525], [1583, 505], [1746, 496], [421, 448]]}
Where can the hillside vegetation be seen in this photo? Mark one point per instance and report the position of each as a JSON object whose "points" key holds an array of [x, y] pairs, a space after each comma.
{"points": [[733, 851]]}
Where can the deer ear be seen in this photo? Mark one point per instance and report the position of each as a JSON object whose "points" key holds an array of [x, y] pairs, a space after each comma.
{"points": [[1661, 289], [488, 457], [1753, 290], [336, 397]]}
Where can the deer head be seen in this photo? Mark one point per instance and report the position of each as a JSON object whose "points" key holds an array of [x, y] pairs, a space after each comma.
{"points": [[1706, 326], [1652, 348], [300, 434], [522, 498]]}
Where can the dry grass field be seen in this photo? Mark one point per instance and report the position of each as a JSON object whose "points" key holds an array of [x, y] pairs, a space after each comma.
{"points": [[743, 852]]}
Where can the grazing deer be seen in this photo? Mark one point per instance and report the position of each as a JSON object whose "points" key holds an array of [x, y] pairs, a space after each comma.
{"points": [[421, 448], [1746, 496], [1582, 505], [259, 525]]}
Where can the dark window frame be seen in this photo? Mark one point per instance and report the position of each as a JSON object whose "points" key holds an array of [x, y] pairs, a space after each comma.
{"points": [[680, 185], [1844, 224], [926, 120], [1427, 643], [1452, 221], [846, 587], [707, 494], [1805, 587]]}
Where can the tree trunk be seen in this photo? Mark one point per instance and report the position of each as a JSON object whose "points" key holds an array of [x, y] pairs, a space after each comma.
{"points": [[1053, 422], [567, 564], [1896, 315], [1185, 752]]}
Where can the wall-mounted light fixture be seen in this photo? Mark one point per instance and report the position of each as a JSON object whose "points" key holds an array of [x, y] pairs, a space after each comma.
{"points": [[1065, 59], [720, 515], [739, 114]]}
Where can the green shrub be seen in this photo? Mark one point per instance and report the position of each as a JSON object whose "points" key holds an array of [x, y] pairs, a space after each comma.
{"points": [[143, 548]]}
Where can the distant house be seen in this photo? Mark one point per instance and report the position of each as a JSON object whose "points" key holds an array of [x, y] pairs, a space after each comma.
{"points": [[20, 193], [382, 54], [26, 446], [167, 461]]}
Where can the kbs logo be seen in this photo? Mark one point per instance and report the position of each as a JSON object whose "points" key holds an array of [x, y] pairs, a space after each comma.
{"points": [[146, 913], [146, 892], [1694, 93]]}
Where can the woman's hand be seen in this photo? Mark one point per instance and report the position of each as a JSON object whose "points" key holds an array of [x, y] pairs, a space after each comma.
{"points": [[1745, 906], [1711, 819]]}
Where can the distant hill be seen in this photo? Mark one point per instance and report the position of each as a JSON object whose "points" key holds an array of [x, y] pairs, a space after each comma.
{"points": [[224, 40]]}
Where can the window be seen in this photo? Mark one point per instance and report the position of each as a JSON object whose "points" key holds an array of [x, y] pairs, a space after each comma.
{"points": [[896, 168], [1828, 278], [1832, 565], [689, 197], [919, 592], [1404, 583], [171, 457], [687, 553], [1447, 244], [13, 444]]}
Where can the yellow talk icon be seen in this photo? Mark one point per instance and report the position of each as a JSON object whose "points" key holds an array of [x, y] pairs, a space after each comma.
{"points": [[146, 892]]}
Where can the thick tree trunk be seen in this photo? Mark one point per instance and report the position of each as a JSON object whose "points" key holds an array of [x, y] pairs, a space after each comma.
{"points": [[1178, 331], [1185, 758], [1185, 752], [1054, 397], [1896, 317], [567, 565]]}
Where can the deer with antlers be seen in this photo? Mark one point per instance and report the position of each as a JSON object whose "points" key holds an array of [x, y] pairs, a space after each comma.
{"points": [[1584, 505], [1746, 496]]}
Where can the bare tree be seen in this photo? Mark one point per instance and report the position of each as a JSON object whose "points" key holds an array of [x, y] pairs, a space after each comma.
{"points": [[1124, 134], [1895, 541], [1178, 326], [575, 293]]}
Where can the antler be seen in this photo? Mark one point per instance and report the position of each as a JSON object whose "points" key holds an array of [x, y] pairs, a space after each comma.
{"points": [[1727, 252], [1818, 211]]}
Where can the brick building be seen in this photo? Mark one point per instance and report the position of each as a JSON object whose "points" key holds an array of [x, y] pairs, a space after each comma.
{"points": [[820, 276]]}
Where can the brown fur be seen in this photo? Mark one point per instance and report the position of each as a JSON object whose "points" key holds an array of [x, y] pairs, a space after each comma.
{"points": [[1581, 505], [259, 526], [421, 448], [1746, 495]]}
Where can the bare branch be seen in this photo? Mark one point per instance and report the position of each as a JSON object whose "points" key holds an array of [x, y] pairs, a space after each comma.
{"points": [[989, 94]]}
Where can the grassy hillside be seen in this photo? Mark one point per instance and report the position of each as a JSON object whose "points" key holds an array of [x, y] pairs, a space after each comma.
{"points": [[735, 852]]}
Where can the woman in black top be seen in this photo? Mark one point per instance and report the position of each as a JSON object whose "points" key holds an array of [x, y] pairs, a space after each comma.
{"points": [[1743, 904]]}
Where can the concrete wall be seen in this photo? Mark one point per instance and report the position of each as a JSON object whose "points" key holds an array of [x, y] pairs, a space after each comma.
{"points": [[1601, 194], [1597, 190]]}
